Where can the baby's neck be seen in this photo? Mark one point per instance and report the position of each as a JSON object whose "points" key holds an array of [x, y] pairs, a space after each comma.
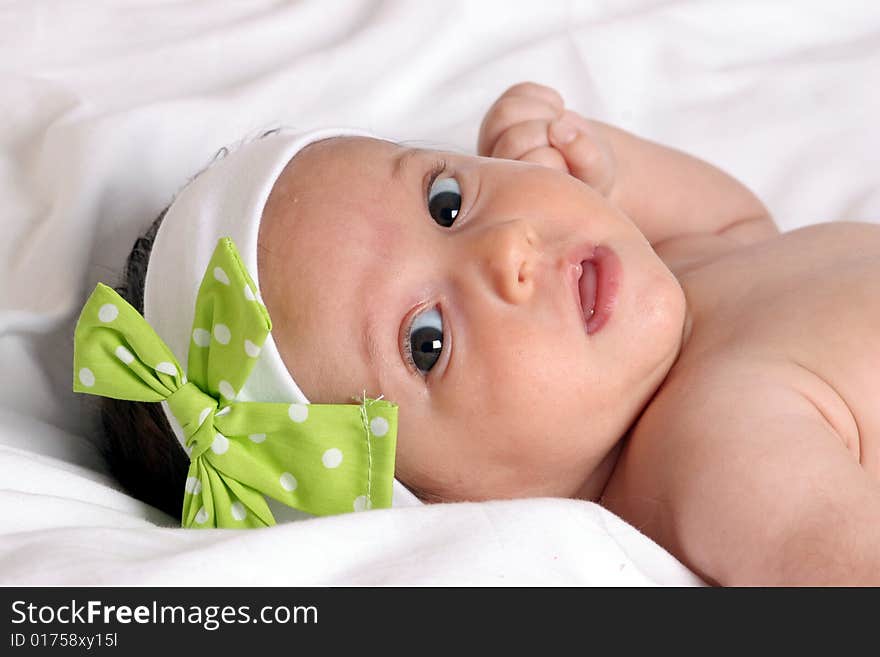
{"points": [[596, 483]]}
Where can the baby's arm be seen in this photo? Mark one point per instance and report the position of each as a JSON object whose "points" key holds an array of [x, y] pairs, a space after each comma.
{"points": [[763, 494], [667, 193]]}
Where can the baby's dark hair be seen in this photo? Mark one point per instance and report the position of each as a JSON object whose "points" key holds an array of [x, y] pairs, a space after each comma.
{"points": [[140, 448]]}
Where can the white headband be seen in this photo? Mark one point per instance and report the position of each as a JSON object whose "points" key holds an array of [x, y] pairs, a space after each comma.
{"points": [[227, 200]]}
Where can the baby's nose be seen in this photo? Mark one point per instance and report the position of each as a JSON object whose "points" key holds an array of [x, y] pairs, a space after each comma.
{"points": [[508, 256]]}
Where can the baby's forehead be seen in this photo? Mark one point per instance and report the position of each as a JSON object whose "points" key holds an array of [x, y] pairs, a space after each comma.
{"points": [[366, 155], [332, 170], [331, 182], [346, 150], [345, 174]]}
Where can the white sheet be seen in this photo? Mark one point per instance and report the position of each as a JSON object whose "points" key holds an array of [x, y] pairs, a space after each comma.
{"points": [[106, 108]]}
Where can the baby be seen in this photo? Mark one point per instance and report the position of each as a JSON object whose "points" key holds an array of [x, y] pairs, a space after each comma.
{"points": [[580, 313]]}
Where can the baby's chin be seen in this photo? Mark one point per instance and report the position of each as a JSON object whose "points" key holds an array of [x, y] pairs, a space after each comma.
{"points": [[664, 314], [653, 340]]}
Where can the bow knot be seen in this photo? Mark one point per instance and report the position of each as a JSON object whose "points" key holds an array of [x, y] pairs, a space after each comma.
{"points": [[194, 410], [319, 458]]}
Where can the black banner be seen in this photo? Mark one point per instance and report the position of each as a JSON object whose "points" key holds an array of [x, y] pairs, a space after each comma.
{"points": [[133, 621]]}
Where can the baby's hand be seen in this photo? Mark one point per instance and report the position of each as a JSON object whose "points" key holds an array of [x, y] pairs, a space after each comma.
{"points": [[529, 122]]}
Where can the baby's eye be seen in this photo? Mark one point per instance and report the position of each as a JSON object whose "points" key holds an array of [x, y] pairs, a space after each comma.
{"points": [[424, 340], [444, 201]]}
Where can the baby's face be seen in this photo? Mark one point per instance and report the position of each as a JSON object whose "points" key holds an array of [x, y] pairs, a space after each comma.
{"points": [[465, 311]]}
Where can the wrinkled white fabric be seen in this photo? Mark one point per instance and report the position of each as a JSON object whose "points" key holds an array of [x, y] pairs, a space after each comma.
{"points": [[108, 109]]}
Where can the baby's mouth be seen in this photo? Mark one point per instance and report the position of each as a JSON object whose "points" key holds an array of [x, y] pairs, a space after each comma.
{"points": [[595, 283], [599, 286], [587, 288]]}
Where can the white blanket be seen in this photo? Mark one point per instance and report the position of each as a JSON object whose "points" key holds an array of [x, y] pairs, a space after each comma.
{"points": [[106, 108]]}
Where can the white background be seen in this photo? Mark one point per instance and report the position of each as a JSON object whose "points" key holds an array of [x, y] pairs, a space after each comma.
{"points": [[107, 108]]}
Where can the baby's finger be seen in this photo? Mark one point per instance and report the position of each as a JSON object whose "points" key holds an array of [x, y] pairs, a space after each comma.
{"points": [[521, 138], [508, 111], [585, 153], [535, 90], [546, 156]]}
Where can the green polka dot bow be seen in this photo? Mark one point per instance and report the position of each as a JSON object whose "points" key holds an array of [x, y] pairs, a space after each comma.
{"points": [[320, 458]]}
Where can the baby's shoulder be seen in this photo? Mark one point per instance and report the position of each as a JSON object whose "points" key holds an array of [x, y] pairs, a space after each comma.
{"points": [[711, 398], [720, 409], [717, 450], [694, 400]]}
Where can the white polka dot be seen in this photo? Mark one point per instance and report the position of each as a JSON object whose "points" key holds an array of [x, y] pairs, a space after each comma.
{"points": [[222, 333], [202, 516], [124, 355], [332, 458], [361, 503], [298, 412], [201, 337], [379, 426], [193, 486], [238, 511], [223, 411], [288, 481], [221, 276], [166, 368], [220, 444], [249, 293], [226, 389], [86, 377], [257, 437], [108, 312], [204, 415], [251, 349]]}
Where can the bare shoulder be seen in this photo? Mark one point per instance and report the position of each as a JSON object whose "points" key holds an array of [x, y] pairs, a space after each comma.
{"points": [[684, 252], [821, 242], [742, 478]]}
